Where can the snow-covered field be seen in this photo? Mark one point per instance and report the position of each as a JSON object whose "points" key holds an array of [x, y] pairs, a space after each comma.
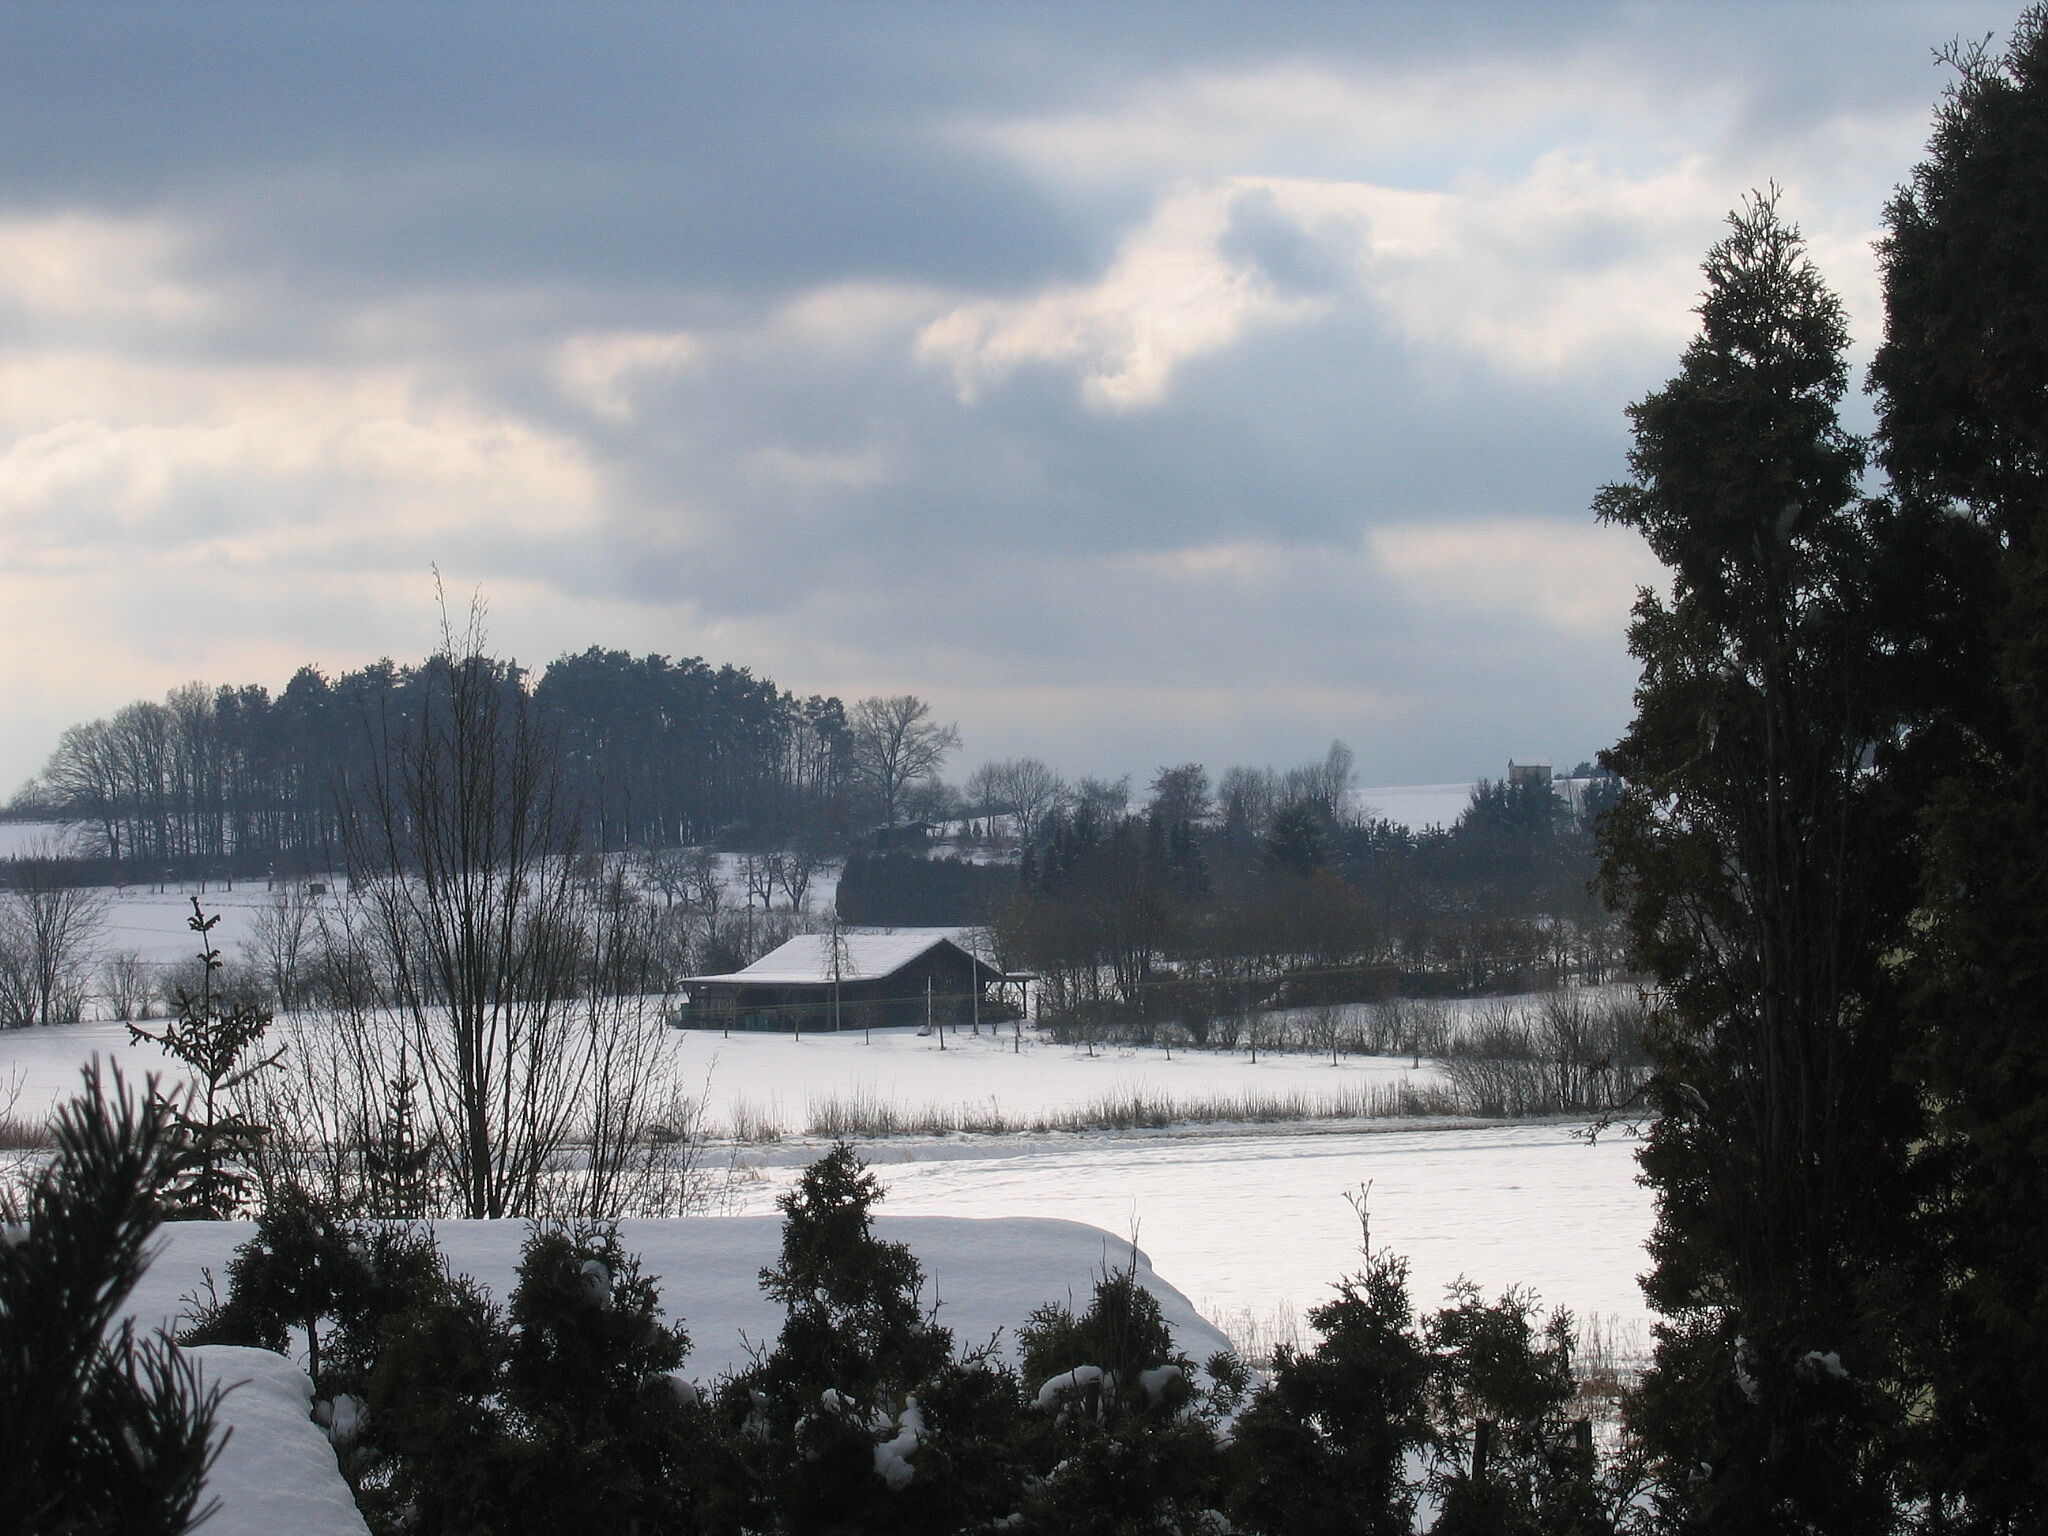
{"points": [[20, 837], [1416, 806], [1249, 1219], [1257, 1221]]}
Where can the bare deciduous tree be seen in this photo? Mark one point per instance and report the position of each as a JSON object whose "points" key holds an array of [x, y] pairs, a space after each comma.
{"points": [[48, 930], [1022, 788], [461, 853], [895, 743], [280, 945], [128, 985]]}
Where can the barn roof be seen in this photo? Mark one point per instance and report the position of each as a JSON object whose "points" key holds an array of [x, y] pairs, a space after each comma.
{"points": [[807, 958]]}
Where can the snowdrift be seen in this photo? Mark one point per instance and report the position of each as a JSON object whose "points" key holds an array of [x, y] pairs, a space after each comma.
{"points": [[986, 1275]]}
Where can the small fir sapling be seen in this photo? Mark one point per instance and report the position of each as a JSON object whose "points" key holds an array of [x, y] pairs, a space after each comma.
{"points": [[301, 1270], [607, 1434], [398, 1165], [1326, 1446], [1118, 1437], [860, 1418], [103, 1435], [214, 1036], [1504, 1391], [434, 1453]]}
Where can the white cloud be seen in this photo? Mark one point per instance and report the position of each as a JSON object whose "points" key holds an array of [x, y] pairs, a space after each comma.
{"points": [[603, 370], [1576, 579], [80, 268], [1170, 296]]}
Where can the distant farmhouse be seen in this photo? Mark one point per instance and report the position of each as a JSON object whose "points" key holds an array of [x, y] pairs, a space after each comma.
{"points": [[856, 980], [1528, 773]]}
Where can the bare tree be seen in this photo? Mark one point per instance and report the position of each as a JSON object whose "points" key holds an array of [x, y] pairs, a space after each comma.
{"points": [[1108, 798], [280, 945], [1022, 788], [127, 985], [796, 868], [703, 881], [461, 850], [48, 931], [758, 873], [895, 743]]}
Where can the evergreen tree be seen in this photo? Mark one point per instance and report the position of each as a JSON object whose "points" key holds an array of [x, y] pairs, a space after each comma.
{"points": [[1963, 384], [1119, 1439], [214, 1036], [860, 1420], [1762, 857], [1324, 1449], [605, 1428], [102, 1435]]}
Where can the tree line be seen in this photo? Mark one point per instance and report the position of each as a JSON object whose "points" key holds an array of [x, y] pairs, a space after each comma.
{"points": [[1280, 890], [655, 752]]}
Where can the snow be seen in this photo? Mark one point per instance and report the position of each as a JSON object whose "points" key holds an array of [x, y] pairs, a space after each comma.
{"points": [[20, 837], [892, 1456], [276, 1473], [986, 1275], [864, 952], [45, 1063], [1258, 1222], [1053, 1388], [1246, 1220], [778, 1077]]}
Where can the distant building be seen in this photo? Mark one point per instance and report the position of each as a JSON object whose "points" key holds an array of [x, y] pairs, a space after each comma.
{"points": [[1528, 773], [862, 980]]}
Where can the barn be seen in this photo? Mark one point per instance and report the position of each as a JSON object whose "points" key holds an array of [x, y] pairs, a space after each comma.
{"points": [[856, 980]]}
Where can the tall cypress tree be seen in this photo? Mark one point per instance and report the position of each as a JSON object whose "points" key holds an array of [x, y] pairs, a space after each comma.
{"points": [[1963, 384], [1761, 857]]}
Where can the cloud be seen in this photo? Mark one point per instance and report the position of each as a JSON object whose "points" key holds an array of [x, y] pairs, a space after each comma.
{"points": [[1173, 294], [1138, 393], [1578, 581]]}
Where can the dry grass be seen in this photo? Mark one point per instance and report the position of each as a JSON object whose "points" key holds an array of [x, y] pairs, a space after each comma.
{"points": [[18, 1134], [865, 1116]]}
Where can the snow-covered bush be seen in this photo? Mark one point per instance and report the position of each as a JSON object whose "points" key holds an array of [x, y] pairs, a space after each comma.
{"points": [[1119, 1439], [862, 1417]]}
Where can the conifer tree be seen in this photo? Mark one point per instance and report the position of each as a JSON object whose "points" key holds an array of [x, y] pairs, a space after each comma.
{"points": [[1323, 1449], [861, 1419], [1762, 857], [216, 1037], [1963, 387], [604, 1426], [100, 1435], [1119, 1437]]}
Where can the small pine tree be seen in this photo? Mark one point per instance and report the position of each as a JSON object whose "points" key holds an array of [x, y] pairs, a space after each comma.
{"points": [[214, 1037], [1119, 1439], [104, 1436], [604, 1439], [302, 1271], [1325, 1448], [860, 1419], [1503, 1381]]}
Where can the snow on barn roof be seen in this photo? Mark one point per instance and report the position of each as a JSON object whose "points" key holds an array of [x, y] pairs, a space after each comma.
{"points": [[807, 958]]}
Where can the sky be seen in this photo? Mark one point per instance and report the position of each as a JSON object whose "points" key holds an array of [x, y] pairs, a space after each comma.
{"points": [[1139, 383]]}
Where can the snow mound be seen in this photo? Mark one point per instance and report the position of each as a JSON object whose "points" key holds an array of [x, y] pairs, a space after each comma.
{"points": [[987, 1274], [276, 1472]]}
